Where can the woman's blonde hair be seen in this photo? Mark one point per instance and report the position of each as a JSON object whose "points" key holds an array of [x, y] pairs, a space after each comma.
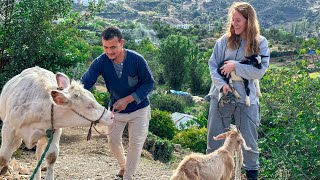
{"points": [[251, 32]]}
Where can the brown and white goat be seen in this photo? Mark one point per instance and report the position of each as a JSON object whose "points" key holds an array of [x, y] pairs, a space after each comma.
{"points": [[217, 165]]}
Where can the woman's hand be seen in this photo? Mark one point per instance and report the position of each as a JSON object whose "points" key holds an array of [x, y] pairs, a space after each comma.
{"points": [[228, 67], [226, 88]]}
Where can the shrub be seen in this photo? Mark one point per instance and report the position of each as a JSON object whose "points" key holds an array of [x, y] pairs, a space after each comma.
{"points": [[194, 138], [102, 98], [160, 149], [161, 124], [96, 51], [198, 121], [290, 110], [168, 102]]}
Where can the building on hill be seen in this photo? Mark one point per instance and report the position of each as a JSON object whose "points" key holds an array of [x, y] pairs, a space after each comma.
{"points": [[85, 2], [182, 26]]}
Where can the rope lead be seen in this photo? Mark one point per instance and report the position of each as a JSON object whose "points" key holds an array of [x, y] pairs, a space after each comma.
{"points": [[49, 133]]}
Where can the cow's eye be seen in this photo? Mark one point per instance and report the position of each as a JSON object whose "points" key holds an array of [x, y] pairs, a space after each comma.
{"points": [[76, 95], [90, 106]]}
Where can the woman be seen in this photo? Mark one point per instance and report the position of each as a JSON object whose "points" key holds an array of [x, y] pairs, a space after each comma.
{"points": [[241, 39]]}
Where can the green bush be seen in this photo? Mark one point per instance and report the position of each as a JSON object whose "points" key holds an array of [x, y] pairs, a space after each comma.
{"points": [[161, 150], [168, 102], [194, 138], [198, 121], [96, 51], [103, 98], [161, 124], [289, 143]]}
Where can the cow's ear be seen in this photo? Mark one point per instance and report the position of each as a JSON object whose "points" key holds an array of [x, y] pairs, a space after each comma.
{"points": [[62, 80], [59, 98]]}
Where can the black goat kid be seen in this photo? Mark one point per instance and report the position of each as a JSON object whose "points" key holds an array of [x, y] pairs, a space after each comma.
{"points": [[255, 61]]}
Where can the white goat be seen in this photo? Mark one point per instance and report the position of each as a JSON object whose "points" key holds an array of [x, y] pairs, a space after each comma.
{"points": [[217, 165]]}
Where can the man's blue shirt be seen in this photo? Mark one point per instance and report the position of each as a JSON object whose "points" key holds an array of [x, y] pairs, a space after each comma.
{"points": [[136, 79]]}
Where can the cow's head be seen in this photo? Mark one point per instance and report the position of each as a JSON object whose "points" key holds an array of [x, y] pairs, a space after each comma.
{"points": [[73, 96]]}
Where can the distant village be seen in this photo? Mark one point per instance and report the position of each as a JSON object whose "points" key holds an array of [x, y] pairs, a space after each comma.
{"points": [[173, 22]]}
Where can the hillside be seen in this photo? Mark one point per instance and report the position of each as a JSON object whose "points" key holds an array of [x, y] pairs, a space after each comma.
{"points": [[271, 13]]}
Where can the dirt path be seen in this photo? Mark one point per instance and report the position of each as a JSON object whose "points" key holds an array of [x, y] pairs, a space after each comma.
{"points": [[81, 159]]}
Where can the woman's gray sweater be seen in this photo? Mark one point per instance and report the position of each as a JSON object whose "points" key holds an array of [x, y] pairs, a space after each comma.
{"points": [[221, 53]]}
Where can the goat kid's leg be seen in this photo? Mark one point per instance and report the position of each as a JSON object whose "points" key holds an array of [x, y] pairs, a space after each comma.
{"points": [[10, 143], [256, 83], [246, 86], [236, 94], [234, 77]]}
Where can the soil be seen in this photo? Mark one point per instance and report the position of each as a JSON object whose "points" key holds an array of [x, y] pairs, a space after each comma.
{"points": [[82, 159]]}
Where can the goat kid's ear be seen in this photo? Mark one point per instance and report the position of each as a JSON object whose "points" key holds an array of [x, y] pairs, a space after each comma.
{"points": [[258, 58], [59, 97], [62, 80], [220, 136]]}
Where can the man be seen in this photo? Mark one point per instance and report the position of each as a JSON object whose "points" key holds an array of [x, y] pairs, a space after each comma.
{"points": [[129, 81]]}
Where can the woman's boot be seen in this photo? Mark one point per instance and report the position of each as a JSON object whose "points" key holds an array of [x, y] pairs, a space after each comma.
{"points": [[252, 174]]}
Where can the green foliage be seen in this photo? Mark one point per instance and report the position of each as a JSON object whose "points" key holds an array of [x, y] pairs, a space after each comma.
{"points": [[198, 72], [96, 51], [200, 120], [42, 33], [282, 37], [161, 150], [194, 138], [161, 124], [312, 43], [102, 98], [290, 120], [174, 51], [168, 102], [150, 53], [75, 72]]}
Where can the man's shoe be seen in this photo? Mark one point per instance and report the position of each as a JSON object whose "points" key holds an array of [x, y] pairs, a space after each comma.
{"points": [[118, 177], [252, 174]]}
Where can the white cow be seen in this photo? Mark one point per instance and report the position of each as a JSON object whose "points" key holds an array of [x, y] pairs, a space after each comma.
{"points": [[37, 100]]}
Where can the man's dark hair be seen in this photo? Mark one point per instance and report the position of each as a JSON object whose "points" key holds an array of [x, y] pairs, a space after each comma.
{"points": [[111, 32]]}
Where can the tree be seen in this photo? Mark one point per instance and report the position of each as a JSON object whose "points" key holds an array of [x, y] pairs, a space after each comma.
{"points": [[174, 51], [198, 72], [150, 53], [42, 33]]}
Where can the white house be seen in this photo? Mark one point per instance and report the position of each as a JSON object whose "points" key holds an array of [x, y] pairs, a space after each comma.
{"points": [[85, 2], [180, 118], [182, 26]]}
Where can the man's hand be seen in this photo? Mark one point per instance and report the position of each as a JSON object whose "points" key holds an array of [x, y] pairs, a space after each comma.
{"points": [[122, 103]]}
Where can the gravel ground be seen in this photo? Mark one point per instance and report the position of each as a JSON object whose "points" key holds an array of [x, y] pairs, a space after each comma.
{"points": [[81, 159]]}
